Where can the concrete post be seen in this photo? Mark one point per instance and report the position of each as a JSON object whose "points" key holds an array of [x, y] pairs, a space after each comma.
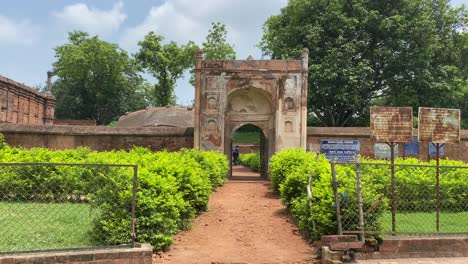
{"points": [[198, 66]]}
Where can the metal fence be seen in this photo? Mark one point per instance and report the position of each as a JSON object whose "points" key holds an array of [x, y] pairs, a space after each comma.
{"points": [[400, 199], [58, 206]]}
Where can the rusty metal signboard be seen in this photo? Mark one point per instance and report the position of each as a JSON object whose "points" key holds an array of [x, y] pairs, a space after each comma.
{"points": [[391, 124], [439, 125]]}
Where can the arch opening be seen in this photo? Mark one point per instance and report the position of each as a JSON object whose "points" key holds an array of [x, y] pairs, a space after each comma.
{"points": [[248, 139]]}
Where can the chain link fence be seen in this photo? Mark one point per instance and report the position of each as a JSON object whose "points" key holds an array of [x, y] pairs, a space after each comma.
{"points": [[55, 206], [413, 200]]}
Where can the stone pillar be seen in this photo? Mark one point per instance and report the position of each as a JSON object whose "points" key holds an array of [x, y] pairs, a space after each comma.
{"points": [[198, 66], [305, 78], [49, 110]]}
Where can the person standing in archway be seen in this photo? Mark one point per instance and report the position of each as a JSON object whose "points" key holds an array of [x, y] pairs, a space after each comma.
{"points": [[235, 155]]}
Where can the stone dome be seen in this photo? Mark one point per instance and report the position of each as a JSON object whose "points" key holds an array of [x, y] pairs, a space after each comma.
{"points": [[159, 117]]}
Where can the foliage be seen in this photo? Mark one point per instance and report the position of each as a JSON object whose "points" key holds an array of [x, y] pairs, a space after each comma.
{"points": [[167, 63], [290, 170], [216, 47], [251, 160], [173, 187], [96, 80], [366, 52], [2, 141]]}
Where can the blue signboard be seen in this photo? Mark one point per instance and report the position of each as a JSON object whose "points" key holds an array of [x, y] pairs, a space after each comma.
{"points": [[411, 148], [433, 150], [340, 150]]}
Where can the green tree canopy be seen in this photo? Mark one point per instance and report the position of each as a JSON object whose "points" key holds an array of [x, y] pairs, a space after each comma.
{"points": [[96, 80], [367, 52], [216, 47], [167, 63]]}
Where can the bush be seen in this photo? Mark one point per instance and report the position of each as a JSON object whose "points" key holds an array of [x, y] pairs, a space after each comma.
{"points": [[251, 160], [173, 187], [290, 171], [2, 141]]}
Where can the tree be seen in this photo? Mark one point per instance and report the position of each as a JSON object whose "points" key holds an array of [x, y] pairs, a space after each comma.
{"points": [[96, 80], [216, 47], [367, 52], [166, 63]]}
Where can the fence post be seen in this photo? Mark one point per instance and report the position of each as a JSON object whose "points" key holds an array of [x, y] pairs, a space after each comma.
{"points": [[359, 196], [134, 190], [337, 199], [438, 146], [392, 169]]}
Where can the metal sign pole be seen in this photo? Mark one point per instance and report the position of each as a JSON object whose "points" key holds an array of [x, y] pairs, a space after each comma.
{"points": [[337, 199], [438, 147], [392, 168], [359, 194]]}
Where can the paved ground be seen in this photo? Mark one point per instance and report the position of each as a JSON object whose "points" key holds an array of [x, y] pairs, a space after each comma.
{"points": [[245, 223], [417, 261]]}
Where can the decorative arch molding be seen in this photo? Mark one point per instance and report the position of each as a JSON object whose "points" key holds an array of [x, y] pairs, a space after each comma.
{"points": [[270, 94]]}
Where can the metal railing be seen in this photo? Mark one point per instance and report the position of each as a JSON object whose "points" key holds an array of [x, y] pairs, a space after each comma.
{"points": [[400, 199], [59, 206]]}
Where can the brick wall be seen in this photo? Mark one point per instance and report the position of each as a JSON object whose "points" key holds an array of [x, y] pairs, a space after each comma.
{"points": [[97, 138], [74, 122], [141, 254], [316, 134], [20, 104]]}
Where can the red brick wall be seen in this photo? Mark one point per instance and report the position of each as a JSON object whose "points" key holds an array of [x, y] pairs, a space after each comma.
{"points": [[316, 134], [97, 137], [20, 104]]}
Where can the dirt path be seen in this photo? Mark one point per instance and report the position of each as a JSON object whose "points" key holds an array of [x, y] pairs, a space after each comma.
{"points": [[245, 223]]}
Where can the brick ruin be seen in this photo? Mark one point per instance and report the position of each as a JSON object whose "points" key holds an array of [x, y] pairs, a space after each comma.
{"points": [[20, 104]]}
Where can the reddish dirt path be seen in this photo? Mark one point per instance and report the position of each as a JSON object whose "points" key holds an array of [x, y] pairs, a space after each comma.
{"points": [[245, 223]]}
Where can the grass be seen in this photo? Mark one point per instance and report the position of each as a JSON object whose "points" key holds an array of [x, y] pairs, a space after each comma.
{"points": [[40, 226], [246, 138], [426, 222]]}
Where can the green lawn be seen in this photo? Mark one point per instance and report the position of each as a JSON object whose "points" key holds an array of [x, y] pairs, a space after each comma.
{"points": [[40, 226], [246, 138], [426, 222]]}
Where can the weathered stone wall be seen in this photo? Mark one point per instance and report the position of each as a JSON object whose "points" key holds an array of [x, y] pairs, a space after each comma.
{"points": [[170, 138], [74, 122], [316, 134], [20, 104], [97, 138]]}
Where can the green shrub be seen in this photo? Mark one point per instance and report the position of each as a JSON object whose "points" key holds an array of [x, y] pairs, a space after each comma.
{"points": [[251, 160], [285, 162], [2, 141], [290, 171], [173, 187]]}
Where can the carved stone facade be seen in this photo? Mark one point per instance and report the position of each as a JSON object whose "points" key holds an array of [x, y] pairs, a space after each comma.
{"points": [[20, 104], [270, 94]]}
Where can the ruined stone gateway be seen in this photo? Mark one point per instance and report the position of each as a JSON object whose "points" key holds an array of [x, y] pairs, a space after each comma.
{"points": [[270, 94]]}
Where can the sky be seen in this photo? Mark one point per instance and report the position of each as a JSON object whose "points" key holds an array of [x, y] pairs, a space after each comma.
{"points": [[30, 29]]}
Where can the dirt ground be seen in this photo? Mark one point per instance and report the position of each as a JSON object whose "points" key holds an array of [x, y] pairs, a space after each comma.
{"points": [[245, 223]]}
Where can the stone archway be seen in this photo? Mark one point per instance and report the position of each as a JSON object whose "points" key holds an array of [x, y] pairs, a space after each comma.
{"points": [[270, 94]]}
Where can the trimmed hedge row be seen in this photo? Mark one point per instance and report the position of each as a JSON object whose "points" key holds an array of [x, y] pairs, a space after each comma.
{"points": [[251, 160], [290, 169], [173, 187]]}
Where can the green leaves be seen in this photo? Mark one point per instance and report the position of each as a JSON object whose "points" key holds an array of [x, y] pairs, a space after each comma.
{"points": [[173, 188], [167, 63], [366, 52], [216, 47], [96, 80]]}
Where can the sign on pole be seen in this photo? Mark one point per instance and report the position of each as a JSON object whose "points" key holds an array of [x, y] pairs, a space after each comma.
{"points": [[439, 125], [340, 150], [391, 124]]}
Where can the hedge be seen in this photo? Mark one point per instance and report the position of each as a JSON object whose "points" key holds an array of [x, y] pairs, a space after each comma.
{"points": [[173, 187], [251, 160], [289, 172]]}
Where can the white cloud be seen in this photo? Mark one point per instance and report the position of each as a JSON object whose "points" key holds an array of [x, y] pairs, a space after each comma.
{"points": [[17, 32], [81, 17], [184, 20]]}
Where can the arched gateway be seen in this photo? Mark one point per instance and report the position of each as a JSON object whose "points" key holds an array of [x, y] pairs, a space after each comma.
{"points": [[270, 94]]}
